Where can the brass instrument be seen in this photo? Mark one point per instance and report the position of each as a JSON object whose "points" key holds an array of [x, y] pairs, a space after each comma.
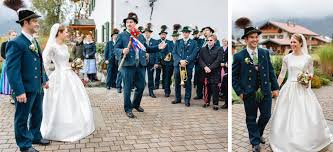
{"points": [[168, 57], [183, 75]]}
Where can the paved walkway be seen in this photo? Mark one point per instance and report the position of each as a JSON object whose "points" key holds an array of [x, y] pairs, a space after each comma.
{"points": [[163, 127], [240, 140]]}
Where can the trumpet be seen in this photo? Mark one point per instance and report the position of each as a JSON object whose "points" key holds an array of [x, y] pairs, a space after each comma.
{"points": [[183, 75], [168, 57]]}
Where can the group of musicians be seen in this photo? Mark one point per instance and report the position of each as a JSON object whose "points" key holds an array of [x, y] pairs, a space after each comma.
{"points": [[175, 62]]}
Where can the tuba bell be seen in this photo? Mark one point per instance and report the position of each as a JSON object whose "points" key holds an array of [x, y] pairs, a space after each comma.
{"points": [[183, 75], [168, 57]]}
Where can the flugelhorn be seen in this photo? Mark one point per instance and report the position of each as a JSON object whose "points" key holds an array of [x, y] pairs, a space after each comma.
{"points": [[183, 75], [168, 57]]}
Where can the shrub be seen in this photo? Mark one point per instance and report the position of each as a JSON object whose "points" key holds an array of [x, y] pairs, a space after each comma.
{"points": [[325, 54], [324, 81], [316, 83]]}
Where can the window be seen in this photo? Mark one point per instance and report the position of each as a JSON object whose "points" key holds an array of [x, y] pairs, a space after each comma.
{"points": [[280, 36], [107, 31], [264, 37], [272, 36]]}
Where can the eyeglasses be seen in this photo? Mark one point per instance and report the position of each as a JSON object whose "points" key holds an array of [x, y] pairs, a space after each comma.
{"points": [[209, 40]]}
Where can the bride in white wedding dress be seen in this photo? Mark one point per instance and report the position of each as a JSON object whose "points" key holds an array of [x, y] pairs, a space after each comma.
{"points": [[298, 123], [67, 113]]}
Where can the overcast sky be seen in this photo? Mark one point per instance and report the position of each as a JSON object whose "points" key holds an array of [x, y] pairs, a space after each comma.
{"points": [[267, 9]]}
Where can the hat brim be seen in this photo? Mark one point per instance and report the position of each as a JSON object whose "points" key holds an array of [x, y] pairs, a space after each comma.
{"points": [[28, 17], [186, 31], [130, 18], [175, 35], [162, 33], [209, 28], [251, 32]]}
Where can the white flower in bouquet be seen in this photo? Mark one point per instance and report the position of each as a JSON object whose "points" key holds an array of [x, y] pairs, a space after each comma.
{"points": [[304, 78]]}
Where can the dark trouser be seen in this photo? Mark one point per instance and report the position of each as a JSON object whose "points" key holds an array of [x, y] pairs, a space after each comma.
{"points": [[150, 72], [158, 77], [199, 88], [256, 129], [34, 107], [114, 75], [196, 70], [92, 76], [188, 84], [137, 75], [167, 80], [119, 80], [224, 89], [109, 75], [213, 90]]}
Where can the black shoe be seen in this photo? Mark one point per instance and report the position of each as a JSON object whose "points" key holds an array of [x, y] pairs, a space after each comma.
{"points": [[225, 106], [256, 148], [30, 150], [118, 90], [167, 95], [215, 108], [42, 142], [130, 115], [139, 109], [175, 102], [187, 104], [152, 95], [206, 105], [197, 98], [108, 88], [262, 140]]}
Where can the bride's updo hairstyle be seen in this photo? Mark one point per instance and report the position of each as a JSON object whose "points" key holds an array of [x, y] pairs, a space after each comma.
{"points": [[298, 37], [61, 29]]}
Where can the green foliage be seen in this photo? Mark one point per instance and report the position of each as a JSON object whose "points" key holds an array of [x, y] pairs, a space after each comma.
{"points": [[277, 64], [100, 48], [325, 54], [324, 81], [316, 82]]}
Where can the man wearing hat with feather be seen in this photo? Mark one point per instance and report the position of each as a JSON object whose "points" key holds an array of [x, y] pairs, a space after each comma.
{"points": [[166, 62], [152, 63], [27, 77], [131, 49], [184, 54], [110, 60], [254, 81]]}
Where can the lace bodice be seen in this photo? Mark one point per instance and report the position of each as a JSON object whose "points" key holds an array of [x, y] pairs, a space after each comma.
{"points": [[59, 55], [295, 65]]}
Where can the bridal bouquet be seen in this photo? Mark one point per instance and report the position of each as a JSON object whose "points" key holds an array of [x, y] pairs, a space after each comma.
{"points": [[77, 64], [304, 79]]}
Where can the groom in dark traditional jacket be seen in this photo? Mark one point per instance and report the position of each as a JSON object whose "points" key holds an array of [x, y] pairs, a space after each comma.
{"points": [[26, 76], [254, 80]]}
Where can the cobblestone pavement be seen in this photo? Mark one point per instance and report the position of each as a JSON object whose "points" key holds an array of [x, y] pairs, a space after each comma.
{"points": [[240, 140], [163, 127]]}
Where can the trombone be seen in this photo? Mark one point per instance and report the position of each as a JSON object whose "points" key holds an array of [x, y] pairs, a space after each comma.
{"points": [[168, 57]]}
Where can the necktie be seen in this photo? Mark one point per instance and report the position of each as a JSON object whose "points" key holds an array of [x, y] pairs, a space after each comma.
{"points": [[255, 58]]}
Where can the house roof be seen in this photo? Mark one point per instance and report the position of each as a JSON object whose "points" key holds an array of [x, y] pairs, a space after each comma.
{"points": [[277, 41], [322, 39], [291, 28]]}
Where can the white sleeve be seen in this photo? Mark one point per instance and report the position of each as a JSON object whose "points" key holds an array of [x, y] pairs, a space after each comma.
{"points": [[284, 68], [48, 56], [310, 66]]}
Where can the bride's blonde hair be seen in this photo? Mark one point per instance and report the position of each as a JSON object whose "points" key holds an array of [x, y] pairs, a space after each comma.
{"points": [[298, 37]]}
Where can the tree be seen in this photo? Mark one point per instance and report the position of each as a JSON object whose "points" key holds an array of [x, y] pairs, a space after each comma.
{"points": [[53, 11]]}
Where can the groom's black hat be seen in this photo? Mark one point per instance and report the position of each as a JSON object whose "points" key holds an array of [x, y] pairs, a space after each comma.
{"points": [[245, 23], [25, 14]]}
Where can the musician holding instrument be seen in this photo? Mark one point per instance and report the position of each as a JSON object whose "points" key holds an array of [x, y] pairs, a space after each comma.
{"points": [[166, 62], [131, 49], [184, 53], [210, 58]]}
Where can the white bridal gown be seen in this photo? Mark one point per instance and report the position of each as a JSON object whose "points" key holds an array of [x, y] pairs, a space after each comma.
{"points": [[67, 113], [298, 123]]}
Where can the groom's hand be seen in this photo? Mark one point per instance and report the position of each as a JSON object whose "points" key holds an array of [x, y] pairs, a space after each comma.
{"points": [[46, 85], [241, 96], [275, 93], [22, 98]]}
